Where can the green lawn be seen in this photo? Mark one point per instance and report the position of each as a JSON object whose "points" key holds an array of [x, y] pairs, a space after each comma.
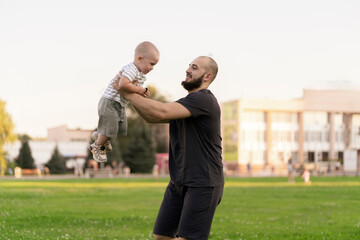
{"points": [[252, 208]]}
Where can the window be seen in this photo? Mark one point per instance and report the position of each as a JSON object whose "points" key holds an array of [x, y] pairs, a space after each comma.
{"points": [[311, 157]]}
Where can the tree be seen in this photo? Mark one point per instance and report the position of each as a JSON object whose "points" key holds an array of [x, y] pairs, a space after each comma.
{"points": [[115, 154], [56, 164], [24, 137], [6, 134], [156, 95], [143, 140], [140, 151], [25, 159], [160, 132]]}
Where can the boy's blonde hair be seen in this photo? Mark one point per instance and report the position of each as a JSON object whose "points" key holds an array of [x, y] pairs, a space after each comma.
{"points": [[146, 49]]}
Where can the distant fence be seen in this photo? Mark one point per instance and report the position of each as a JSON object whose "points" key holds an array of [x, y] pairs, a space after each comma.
{"points": [[19, 172]]}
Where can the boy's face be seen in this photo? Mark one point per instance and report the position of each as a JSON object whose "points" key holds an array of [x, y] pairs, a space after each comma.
{"points": [[147, 63]]}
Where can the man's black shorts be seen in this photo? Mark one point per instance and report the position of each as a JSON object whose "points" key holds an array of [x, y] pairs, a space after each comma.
{"points": [[187, 211]]}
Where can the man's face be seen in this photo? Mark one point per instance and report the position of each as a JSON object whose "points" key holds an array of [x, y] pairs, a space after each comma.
{"points": [[194, 75], [193, 84]]}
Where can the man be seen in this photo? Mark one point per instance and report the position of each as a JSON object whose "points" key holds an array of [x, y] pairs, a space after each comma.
{"points": [[195, 162]]}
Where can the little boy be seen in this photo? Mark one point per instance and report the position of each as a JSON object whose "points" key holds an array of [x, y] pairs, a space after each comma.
{"points": [[111, 107]]}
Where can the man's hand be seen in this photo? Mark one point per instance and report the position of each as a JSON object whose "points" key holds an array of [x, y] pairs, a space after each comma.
{"points": [[116, 84]]}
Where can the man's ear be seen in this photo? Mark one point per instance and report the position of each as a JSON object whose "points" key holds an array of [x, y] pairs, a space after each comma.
{"points": [[208, 77]]}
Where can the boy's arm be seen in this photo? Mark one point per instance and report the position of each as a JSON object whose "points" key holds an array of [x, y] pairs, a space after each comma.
{"points": [[127, 86], [157, 112]]}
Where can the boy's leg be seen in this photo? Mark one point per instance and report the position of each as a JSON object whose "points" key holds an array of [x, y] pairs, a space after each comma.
{"points": [[98, 152], [101, 140], [107, 128], [98, 148], [108, 146]]}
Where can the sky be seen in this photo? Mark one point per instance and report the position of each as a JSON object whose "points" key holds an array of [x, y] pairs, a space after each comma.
{"points": [[57, 57]]}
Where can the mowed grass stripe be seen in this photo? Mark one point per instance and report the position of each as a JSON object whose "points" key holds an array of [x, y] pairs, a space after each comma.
{"points": [[83, 185], [286, 184], [164, 184]]}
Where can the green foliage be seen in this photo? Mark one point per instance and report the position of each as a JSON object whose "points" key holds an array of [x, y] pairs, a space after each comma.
{"points": [[115, 155], [156, 95], [140, 151], [159, 131], [11, 166], [25, 158], [161, 137], [56, 164], [6, 134], [24, 137], [110, 209]]}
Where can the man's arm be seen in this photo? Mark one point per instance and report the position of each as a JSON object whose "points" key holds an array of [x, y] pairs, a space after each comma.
{"points": [[156, 112], [147, 119]]}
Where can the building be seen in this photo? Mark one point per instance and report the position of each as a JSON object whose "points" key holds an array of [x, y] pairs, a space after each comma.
{"points": [[73, 152], [315, 131], [72, 144], [64, 134]]}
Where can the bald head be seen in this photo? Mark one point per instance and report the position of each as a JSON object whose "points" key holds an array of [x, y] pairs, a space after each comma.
{"points": [[146, 49], [210, 66]]}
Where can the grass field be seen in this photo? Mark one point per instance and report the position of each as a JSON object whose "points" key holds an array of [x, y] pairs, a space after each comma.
{"points": [[252, 208]]}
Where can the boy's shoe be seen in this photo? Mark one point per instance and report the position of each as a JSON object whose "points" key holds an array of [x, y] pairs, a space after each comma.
{"points": [[108, 146], [99, 153]]}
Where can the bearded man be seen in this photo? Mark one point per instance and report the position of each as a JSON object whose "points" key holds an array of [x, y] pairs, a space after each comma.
{"points": [[195, 160]]}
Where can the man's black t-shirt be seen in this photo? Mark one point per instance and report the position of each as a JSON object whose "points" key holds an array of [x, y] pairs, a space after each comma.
{"points": [[195, 143]]}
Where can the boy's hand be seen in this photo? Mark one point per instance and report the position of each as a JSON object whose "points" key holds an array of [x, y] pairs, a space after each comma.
{"points": [[147, 93], [143, 91]]}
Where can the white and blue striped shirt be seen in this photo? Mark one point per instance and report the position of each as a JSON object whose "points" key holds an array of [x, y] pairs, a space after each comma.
{"points": [[132, 73]]}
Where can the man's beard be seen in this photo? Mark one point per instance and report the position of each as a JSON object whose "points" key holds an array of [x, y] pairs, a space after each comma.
{"points": [[195, 83]]}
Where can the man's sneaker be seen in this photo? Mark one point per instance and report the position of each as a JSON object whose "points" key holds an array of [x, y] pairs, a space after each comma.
{"points": [[108, 146], [99, 153]]}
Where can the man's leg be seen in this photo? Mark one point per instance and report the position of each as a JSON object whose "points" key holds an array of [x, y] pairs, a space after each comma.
{"points": [[167, 221], [198, 212], [159, 237]]}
